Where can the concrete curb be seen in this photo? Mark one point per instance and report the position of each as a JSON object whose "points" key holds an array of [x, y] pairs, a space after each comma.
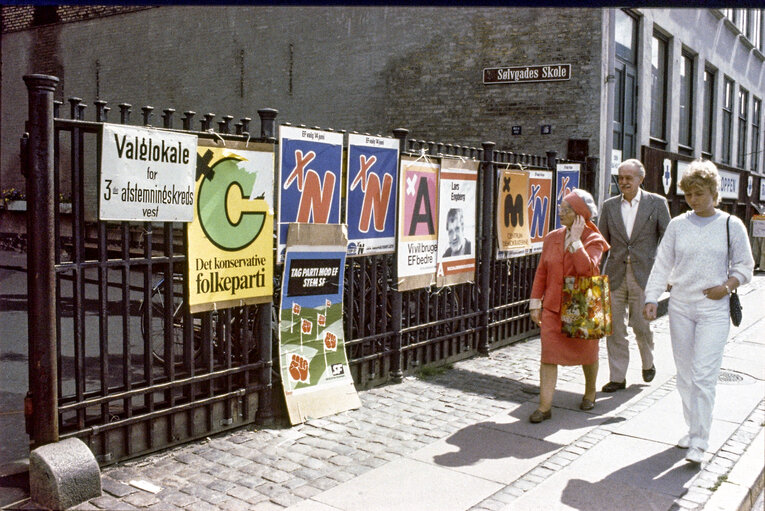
{"points": [[745, 480], [63, 474]]}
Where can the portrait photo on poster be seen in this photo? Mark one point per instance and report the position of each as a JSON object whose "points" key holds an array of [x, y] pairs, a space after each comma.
{"points": [[459, 244]]}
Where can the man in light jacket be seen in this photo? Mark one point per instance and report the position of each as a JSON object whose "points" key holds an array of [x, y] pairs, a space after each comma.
{"points": [[632, 223]]}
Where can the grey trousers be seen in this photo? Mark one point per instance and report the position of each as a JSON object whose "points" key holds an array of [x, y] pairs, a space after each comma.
{"points": [[627, 309]]}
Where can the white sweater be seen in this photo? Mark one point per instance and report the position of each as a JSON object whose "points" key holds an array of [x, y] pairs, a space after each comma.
{"points": [[693, 257]]}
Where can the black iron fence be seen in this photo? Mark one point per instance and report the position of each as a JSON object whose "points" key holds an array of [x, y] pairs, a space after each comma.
{"points": [[117, 359]]}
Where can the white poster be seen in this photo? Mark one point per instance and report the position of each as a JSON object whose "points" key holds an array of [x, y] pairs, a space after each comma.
{"points": [[146, 174], [456, 221]]}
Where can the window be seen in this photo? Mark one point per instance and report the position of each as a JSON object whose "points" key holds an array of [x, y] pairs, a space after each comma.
{"points": [[756, 112], [686, 101], [753, 28], [709, 113], [659, 87], [743, 107], [741, 19], [626, 36], [625, 86], [727, 119]]}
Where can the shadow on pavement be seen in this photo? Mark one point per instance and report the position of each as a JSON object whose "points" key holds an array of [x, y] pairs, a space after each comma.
{"points": [[472, 451], [636, 486]]}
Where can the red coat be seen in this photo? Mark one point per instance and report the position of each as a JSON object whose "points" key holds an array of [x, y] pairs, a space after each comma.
{"points": [[555, 263]]}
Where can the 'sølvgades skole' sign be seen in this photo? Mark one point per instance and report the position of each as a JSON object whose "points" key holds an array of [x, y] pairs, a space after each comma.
{"points": [[524, 74]]}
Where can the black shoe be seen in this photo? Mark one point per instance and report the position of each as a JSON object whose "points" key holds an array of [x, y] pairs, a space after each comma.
{"points": [[648, 374], [613, 386], [539, 416]]}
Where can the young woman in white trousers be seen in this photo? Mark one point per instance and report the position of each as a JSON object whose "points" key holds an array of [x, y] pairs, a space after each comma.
{"points": [[694, 257]]}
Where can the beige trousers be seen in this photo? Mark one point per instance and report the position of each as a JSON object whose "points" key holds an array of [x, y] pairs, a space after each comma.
{"points": [[627, 309]]}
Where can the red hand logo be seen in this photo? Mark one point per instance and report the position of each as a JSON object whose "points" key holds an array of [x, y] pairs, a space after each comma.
{"points": [[299, 368]]}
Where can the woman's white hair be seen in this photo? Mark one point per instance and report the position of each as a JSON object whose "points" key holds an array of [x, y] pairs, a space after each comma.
{"points": [[588, 200]]}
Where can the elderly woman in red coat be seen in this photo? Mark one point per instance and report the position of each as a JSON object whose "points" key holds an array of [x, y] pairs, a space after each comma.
{"points": [[574, 249]]}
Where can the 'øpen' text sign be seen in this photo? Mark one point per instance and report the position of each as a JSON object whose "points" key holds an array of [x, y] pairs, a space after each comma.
{"points": [[371, 195], [526, 74], [230, 242], [315, 373], [146, 174], [310, 171]]}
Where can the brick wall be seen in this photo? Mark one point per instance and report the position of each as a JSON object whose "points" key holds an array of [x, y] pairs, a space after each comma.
{"points": [[369, 69]]}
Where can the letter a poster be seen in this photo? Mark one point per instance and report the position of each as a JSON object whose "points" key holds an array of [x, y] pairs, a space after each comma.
{"points": [[315, 374], [567, 180], [540, 197], [310, 170], [512, 213], [417, 234], [456, 221], [230, 240], [371, 195]]}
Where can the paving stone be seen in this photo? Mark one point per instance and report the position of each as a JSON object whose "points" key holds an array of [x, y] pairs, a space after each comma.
{"points": [[176, 497], [116, 488], [141, 499], [201, 506], [267, 506], [242, 493], [306, 491]]}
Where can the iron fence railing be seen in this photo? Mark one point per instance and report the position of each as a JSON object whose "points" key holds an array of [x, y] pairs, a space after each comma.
{"points": [[118, 360]]}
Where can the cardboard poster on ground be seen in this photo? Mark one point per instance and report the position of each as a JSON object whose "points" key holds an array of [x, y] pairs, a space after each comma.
{"points": [[230, 240], [310, 171], [567, 180], [371, 194], [513, 237], [456, 221], [315, 374], [146, 174], [417, 226], [540, 199]]}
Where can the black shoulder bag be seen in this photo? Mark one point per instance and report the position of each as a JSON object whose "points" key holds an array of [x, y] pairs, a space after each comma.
{"points": [[735, 303]]}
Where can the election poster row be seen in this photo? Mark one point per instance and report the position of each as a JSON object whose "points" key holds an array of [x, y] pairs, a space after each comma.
{"points": [[421, 208], [331, 204]]}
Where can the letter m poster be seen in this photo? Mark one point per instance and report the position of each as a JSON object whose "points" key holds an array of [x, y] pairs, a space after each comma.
{"points": [[418, 223], [513, 213], [310, 171], [371, 194], [540, 198]]}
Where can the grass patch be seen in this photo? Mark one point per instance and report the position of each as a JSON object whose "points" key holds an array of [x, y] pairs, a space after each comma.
{"points": [[430, 372], [720, 479]]}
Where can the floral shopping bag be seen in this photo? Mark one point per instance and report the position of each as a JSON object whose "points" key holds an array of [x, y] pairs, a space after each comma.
{"points": [[585, 311]]}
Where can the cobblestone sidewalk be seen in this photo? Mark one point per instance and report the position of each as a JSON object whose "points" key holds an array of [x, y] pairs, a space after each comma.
{"points": [[271, 469]]}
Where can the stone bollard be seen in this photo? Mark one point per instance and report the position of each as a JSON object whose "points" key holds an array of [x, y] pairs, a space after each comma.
{"points": [[63, 474]]}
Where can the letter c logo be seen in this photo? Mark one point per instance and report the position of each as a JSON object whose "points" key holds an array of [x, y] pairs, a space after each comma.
{"points": [[223, 203]]}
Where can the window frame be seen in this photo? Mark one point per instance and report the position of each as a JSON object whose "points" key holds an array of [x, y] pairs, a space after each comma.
{"points": [[727, 120], [754, 162], [687, 58], [708, 113], [743, 119], [661, 136]]}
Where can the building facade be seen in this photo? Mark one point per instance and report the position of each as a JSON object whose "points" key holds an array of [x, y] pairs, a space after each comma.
{"points": [[689, 82]]}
